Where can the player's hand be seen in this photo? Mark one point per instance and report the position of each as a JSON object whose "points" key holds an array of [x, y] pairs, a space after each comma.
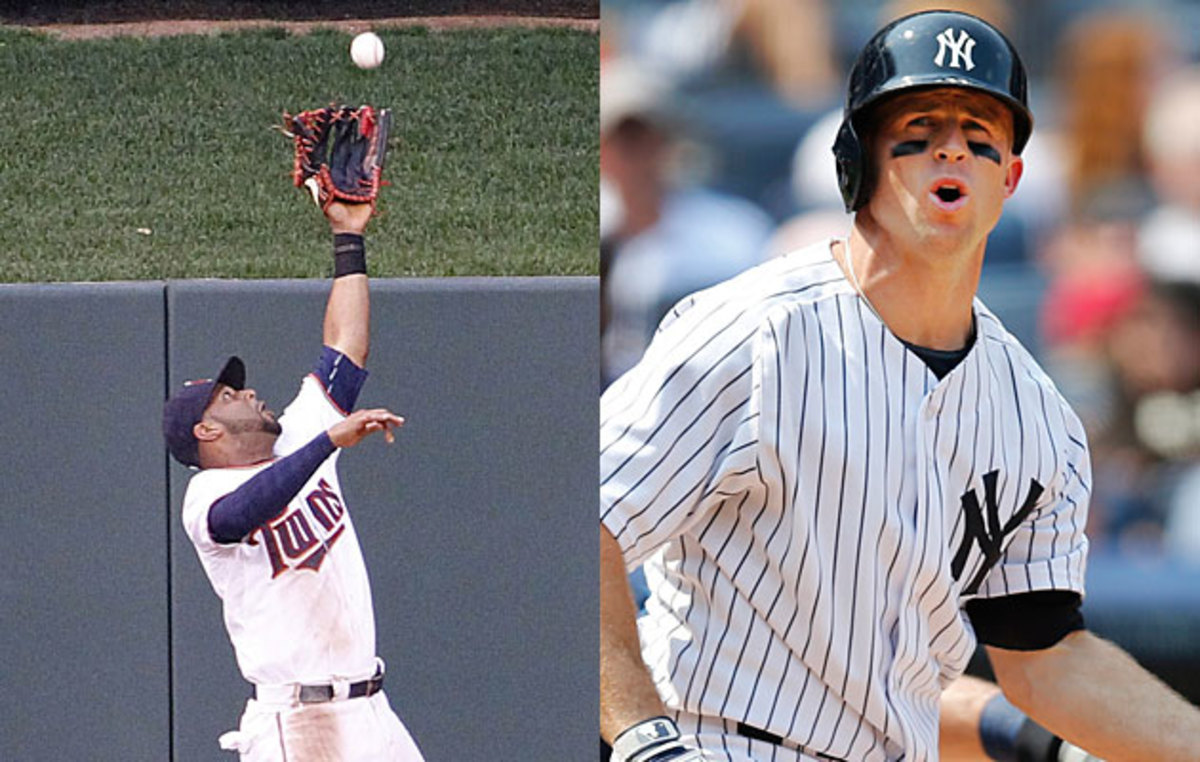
{"points": [[361, 423], [654, 740], [347, 218]]}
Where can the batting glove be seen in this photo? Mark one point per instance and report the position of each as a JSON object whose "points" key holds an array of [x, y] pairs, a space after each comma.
{"points": [[1069, 752], [655, 740]]}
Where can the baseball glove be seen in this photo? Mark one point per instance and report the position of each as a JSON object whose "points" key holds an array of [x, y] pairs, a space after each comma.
{"points": [[339, 152]]}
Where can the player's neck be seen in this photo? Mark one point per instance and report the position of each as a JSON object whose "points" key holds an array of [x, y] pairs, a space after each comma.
{"points": [[242, 450], [925, 300]]}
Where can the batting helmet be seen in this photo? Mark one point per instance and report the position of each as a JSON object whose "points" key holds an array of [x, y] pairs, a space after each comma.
{"points": [[924, 50]]}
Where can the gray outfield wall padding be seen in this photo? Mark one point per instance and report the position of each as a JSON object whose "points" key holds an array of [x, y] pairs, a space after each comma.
{"points": [[478, 525], [83, 588]]}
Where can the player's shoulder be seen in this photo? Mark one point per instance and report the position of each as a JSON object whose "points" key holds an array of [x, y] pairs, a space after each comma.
{"points": [[311, 403], [207, 487], [1011, 358], [998, 341], [711, 336], [220, 481], [801, 277]]}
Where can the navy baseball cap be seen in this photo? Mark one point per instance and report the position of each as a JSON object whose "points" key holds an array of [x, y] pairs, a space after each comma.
{"points": [[184, 410]]}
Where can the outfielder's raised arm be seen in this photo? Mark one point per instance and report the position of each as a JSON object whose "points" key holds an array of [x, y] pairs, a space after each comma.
{"points": [[347, 326], [339, 156]]}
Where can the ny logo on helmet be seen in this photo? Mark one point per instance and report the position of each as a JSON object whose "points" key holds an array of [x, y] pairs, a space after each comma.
{"points": [[960, 50]]}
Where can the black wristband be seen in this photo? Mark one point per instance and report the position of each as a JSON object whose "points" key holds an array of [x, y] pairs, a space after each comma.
{"points": [[1036, 744], [349, 255], [1007, 735]]}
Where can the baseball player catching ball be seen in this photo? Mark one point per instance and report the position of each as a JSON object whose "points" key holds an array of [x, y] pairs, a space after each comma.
{"points": [[841, 472], [272, 530]]}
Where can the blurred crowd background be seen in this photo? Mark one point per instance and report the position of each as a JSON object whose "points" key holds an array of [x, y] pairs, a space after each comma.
{"points": [[717, 118]]}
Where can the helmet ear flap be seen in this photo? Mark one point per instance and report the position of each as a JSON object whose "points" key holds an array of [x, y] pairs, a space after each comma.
{"points": [[851, 167]]}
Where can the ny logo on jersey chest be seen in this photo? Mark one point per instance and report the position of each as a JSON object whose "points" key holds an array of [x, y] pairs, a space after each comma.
{"points": [[989, 533], [291, 541]]}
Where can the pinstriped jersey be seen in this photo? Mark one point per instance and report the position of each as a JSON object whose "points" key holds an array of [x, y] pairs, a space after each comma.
{"points": [[814, 507]]}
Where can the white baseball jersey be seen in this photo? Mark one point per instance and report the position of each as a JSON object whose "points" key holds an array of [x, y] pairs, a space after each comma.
{"points": [[297, 602], [814, 507]]}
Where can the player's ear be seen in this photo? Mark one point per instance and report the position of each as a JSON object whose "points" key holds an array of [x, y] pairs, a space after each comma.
{"points": [[1016, 168], [207, 431]]}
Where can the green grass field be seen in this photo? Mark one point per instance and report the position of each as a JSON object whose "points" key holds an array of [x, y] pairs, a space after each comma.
{"points": [[492, 164]]}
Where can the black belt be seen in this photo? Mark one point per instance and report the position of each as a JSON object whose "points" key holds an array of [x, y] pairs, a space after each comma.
{"points": [[319, 694], [758, 734]]}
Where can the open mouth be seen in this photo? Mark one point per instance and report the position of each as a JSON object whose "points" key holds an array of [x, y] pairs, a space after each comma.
{"points": [[950, 194]]}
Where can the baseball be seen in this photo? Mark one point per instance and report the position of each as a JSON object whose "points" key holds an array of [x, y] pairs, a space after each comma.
{"points": [[367, 50]]}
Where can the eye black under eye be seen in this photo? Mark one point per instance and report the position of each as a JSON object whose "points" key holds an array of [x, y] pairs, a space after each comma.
{"points": [[984, 150], [909, 147]]}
